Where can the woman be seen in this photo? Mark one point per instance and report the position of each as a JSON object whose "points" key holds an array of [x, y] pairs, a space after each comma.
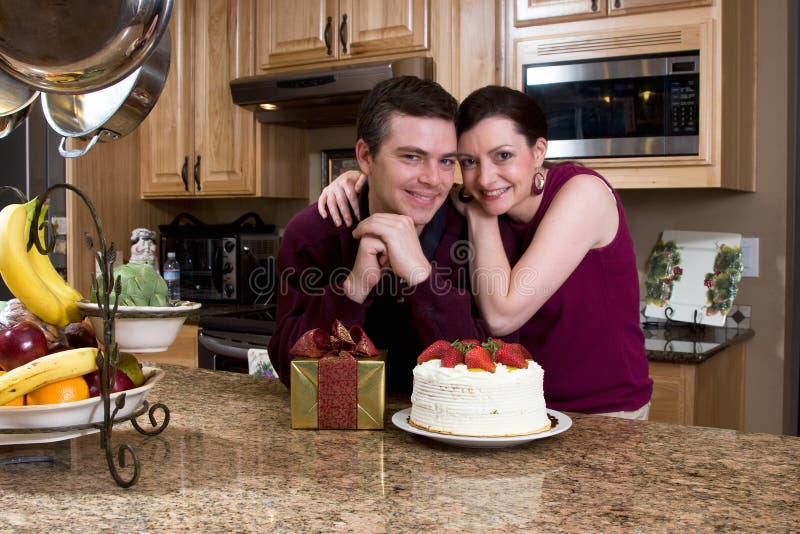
{"points": [[574, 291]]}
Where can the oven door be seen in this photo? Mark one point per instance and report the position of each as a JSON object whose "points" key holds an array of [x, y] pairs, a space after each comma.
{"points": [[227, 351]]}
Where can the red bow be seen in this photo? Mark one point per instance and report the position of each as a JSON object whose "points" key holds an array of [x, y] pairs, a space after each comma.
{"points": [[317, 343]]}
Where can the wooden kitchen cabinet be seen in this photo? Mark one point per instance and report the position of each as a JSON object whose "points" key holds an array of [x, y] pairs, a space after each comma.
{"points": [[196, 142], [531, 12], [293, 33], [710, 393]]}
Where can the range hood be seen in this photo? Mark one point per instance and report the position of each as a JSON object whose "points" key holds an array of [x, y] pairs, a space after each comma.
{"points": [[320, 98]]}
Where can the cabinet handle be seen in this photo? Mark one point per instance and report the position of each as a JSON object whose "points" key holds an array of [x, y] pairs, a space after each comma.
{"points": [[183, 173], [328, 35], [197, 174], [342, 36], [594, 5], [617, 4]]}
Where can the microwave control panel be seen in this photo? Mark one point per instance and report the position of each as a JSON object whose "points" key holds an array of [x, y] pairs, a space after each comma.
{"points": [[229, 270]]}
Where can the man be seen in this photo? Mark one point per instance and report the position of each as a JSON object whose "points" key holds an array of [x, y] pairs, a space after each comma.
{"points": [[400, 273]]}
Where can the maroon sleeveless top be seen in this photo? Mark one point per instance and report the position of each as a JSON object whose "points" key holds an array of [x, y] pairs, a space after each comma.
{"points": [[587, 335]]}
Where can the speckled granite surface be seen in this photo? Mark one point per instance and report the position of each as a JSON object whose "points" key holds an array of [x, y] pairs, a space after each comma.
{"points": [[229, 462], [683, 344]]}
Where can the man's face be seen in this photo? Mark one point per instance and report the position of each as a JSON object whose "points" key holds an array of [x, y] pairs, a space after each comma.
{"points": [[412, 172]]}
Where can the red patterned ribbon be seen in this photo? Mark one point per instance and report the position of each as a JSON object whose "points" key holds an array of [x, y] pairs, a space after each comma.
{"points": [[337, 392]]}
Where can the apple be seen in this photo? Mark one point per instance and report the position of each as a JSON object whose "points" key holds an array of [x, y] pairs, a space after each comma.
{"points": [[20, 344], [129, 375], [123, 383], [80, 335]]}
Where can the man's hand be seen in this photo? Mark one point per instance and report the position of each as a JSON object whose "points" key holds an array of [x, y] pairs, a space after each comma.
{"points": [[399, 237], [371, 262]]}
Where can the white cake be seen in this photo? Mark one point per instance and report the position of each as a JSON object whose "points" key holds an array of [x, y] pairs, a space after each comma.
{"points": [[460, 401]]}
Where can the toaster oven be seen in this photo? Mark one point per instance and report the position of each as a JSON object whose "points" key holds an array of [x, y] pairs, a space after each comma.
{"points": [[223, 263]]}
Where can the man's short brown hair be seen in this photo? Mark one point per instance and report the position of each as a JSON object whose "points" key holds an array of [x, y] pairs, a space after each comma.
{"points": [[405, 95]]}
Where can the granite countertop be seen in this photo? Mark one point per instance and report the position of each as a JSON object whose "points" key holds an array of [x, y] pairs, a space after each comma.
{"points": [[229, 461], [683, 343]]}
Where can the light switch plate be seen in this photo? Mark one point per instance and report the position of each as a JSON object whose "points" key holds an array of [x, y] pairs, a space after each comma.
{"points": [[60, 224], [750, 257]]}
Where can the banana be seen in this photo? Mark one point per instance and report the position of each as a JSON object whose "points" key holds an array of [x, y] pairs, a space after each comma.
{"points": [[17, 270], [42, 266], [46, 370]]}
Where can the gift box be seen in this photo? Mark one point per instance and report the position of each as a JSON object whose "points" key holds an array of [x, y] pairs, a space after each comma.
{"points": [[338, 380]]}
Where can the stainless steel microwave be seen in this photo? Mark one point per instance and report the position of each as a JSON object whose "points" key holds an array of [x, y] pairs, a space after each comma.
{"points": [[631, 106]]}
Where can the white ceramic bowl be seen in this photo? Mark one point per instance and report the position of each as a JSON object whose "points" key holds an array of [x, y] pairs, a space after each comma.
{"points": [[142, 328], [69, 414]]}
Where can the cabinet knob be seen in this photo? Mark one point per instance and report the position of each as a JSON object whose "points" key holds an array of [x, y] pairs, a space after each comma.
{"points": [[342, 36], [617, 4], [197, 174], [594, 5], [185, 178], [328, 35]]}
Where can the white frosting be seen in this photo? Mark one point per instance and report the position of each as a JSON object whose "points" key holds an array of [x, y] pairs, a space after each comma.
{"points": [[458, 401]]}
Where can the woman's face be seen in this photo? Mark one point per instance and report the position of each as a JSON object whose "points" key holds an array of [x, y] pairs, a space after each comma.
{"points": [[498, 165]]}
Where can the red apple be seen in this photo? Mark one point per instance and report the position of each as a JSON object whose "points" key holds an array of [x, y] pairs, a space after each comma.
{"points": [[123, 383], [20, 344]]}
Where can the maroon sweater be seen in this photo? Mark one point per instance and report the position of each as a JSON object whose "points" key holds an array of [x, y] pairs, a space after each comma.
{"points": [[315, 257]]}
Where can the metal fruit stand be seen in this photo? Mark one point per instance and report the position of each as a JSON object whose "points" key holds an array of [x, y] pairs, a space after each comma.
{"points": [[107, 356]]}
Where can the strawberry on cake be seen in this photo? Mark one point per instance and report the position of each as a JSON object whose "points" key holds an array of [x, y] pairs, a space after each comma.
{"points": [[485, 390]]}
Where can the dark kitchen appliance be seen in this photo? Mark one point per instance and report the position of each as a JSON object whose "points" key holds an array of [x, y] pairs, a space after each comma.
{"points": [[224, 339], [622, 107], [223, 263]]}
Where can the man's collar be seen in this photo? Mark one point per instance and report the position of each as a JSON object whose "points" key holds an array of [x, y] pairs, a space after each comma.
{"points": [[431, 232]]}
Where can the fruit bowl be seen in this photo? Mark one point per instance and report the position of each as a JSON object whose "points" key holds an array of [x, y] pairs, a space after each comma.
{"points": [[82, 412], [142, 328]]}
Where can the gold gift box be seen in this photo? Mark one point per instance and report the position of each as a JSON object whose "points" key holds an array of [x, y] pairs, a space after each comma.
{"points": [[371, 392]]}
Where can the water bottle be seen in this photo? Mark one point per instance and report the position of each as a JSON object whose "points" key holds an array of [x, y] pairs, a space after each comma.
{"points": [[172, 275]]}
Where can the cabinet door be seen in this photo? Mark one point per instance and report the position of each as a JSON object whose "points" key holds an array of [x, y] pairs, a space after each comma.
{"points": [[530, 12], [297, 32], [166, 134], [626, 7], [378, 28], [224, 133]]}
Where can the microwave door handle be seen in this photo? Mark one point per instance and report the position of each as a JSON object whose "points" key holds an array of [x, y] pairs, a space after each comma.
{"points": [[216, 270]]}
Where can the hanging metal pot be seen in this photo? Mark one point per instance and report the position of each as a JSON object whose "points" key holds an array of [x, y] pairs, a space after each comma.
{"points": [[109, 113], [16, 100], [81, 45]]}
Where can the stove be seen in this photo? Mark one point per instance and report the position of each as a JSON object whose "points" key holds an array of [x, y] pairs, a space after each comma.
{"points": [[225, 339]]}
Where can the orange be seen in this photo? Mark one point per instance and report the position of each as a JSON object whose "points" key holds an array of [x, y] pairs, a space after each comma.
{"points": [[69, 390], [19, 401]]}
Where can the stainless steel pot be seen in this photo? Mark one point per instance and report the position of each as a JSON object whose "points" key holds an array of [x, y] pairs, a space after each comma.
{"points": [[81, 45], [16, 100], [109, 113]]}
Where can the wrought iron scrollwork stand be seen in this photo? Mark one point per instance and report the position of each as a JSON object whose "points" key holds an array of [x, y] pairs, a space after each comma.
{"points": [[108, 355]]}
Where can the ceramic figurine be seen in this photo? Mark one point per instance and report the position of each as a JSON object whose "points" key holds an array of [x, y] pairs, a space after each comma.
{"points": [[143, 247]]}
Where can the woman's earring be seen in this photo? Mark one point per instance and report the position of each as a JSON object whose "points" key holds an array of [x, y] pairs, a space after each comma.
{"points": [[463, 196], [539, 178]]}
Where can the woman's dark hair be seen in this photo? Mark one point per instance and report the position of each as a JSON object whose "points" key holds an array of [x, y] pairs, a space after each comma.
{"points": [[493, 101], [405, 95]]}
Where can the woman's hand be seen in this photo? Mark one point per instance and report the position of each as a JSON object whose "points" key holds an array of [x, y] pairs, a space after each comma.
{"points": [[340, 196]]}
